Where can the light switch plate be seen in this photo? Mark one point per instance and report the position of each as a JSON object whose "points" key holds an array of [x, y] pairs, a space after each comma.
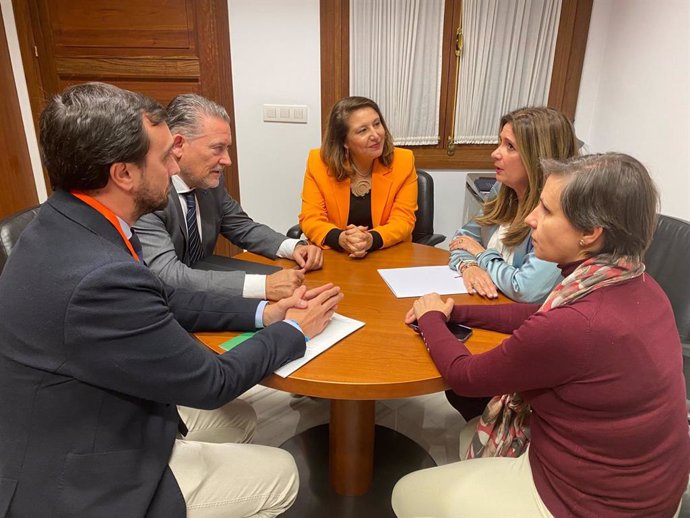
{"points": [[294, 113]]}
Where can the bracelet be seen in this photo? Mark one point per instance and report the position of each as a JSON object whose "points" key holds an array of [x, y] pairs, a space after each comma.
{"points": [[466, 264]]}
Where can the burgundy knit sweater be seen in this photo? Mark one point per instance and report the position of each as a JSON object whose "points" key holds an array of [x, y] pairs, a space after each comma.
{"points": [[605, 381]]}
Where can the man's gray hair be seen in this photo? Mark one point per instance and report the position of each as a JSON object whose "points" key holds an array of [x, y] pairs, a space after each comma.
{"points": [[186, 111], [613, 191]]}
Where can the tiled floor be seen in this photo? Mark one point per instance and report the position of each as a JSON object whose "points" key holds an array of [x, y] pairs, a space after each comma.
{"points": [[428, 420]]}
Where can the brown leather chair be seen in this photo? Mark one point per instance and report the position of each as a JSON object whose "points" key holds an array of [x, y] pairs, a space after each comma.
{"points": [[10, 229]]}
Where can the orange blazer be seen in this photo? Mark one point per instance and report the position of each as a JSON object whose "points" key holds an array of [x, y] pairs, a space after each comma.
{"points": [[326, 202]]}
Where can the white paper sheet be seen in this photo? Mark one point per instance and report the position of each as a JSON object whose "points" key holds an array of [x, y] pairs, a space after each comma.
{"points": [[338, 328], [420, 280]]}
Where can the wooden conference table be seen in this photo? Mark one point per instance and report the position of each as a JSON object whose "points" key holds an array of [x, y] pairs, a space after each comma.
{"points": [[384, 359]]}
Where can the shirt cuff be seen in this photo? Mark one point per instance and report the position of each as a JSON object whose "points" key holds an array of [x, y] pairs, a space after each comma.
{"points": [[287, 248], [294, 324], [254, 286], [259, 315]]}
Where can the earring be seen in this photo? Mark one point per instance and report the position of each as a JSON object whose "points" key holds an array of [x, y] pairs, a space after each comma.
{"points": [[347, 153], [581, 243]]}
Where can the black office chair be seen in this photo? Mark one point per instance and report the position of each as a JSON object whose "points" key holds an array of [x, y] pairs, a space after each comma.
{"points": [[10, 229], [423, 231], [666, 261]]}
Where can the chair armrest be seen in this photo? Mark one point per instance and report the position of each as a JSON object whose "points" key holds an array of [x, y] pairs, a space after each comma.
{"points": [[294, 232], [428, 239]]}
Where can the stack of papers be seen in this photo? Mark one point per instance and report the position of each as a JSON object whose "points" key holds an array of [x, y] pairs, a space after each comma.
{"points": [[418, 281]]}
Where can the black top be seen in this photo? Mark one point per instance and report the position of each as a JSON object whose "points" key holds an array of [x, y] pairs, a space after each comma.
{"points": [[360, 215]]}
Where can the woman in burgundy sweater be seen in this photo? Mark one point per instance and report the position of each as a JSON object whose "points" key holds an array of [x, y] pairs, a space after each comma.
{"points": [[599, 364]]}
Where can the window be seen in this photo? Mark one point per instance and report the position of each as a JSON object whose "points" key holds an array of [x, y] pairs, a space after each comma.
{"points": [[568, 56]]}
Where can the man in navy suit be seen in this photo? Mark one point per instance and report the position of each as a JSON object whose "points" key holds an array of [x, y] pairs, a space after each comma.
{"points": [[176, 241], [95, 351]]}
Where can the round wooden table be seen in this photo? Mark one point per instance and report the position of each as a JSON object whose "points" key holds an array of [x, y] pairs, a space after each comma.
{"points": [[384, 359]]}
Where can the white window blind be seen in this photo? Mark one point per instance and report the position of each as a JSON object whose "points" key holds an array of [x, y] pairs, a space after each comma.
{"points": [[505, 64], [395, 59]]}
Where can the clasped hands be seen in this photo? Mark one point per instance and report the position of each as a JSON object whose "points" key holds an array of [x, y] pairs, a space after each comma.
{"points": [[311, 309], [356, 241]]}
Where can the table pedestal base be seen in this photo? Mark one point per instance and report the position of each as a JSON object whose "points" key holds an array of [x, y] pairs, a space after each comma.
{"points": [[394, 456]]}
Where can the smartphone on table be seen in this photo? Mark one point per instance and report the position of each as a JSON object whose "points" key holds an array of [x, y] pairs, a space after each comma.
{"points": [[460, 331]]}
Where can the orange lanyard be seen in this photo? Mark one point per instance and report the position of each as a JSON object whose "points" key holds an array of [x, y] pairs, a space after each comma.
{"points": [[107, 214]]}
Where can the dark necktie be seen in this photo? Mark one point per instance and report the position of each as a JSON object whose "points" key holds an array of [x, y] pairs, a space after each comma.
{"points": [[194, 251], [136, 245]]}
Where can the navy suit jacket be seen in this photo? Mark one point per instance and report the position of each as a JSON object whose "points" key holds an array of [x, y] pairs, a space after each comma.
{"points": [[94, 359]]}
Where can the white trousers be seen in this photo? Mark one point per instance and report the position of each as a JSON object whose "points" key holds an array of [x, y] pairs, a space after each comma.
{"points": [[220, 477], [482, 488]]}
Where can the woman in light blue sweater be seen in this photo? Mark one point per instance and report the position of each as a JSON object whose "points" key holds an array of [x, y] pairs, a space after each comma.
{"points": [[494, 250]]}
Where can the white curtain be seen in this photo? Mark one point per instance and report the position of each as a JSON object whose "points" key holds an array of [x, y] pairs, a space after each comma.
{"points": [[506, 62], [395, 59]]}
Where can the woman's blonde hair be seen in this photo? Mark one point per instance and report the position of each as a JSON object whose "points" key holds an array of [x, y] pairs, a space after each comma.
{"points": [[540, 132], [333, 152]]}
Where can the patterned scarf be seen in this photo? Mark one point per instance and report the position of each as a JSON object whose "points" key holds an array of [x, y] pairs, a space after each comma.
{"points": [[503, 428]]}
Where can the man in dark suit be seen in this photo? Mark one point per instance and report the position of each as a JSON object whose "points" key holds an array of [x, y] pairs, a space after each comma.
{"points": [[178, 237], [93, 353]]}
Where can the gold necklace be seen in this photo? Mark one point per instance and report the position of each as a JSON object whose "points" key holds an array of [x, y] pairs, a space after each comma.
{"points": [[360, 185]]}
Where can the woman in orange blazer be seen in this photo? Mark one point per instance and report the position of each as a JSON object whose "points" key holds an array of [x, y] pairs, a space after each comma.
{"points": [[360, 192]]}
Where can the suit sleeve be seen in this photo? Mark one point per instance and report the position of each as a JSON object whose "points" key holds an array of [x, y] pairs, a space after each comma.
{"points": [[314, 219], [161, 258], [121, 335], [241, 230], [402, 217]]}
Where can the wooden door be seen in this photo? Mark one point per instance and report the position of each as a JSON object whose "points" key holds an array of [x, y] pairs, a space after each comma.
{"points": [[17, 186], [158, 47]]}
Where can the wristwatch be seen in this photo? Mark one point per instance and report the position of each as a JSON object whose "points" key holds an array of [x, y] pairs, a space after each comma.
{"points": [[301, 242]]}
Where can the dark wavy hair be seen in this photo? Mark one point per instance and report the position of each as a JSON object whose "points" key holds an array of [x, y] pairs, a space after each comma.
{"points": [[88, 127]]}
